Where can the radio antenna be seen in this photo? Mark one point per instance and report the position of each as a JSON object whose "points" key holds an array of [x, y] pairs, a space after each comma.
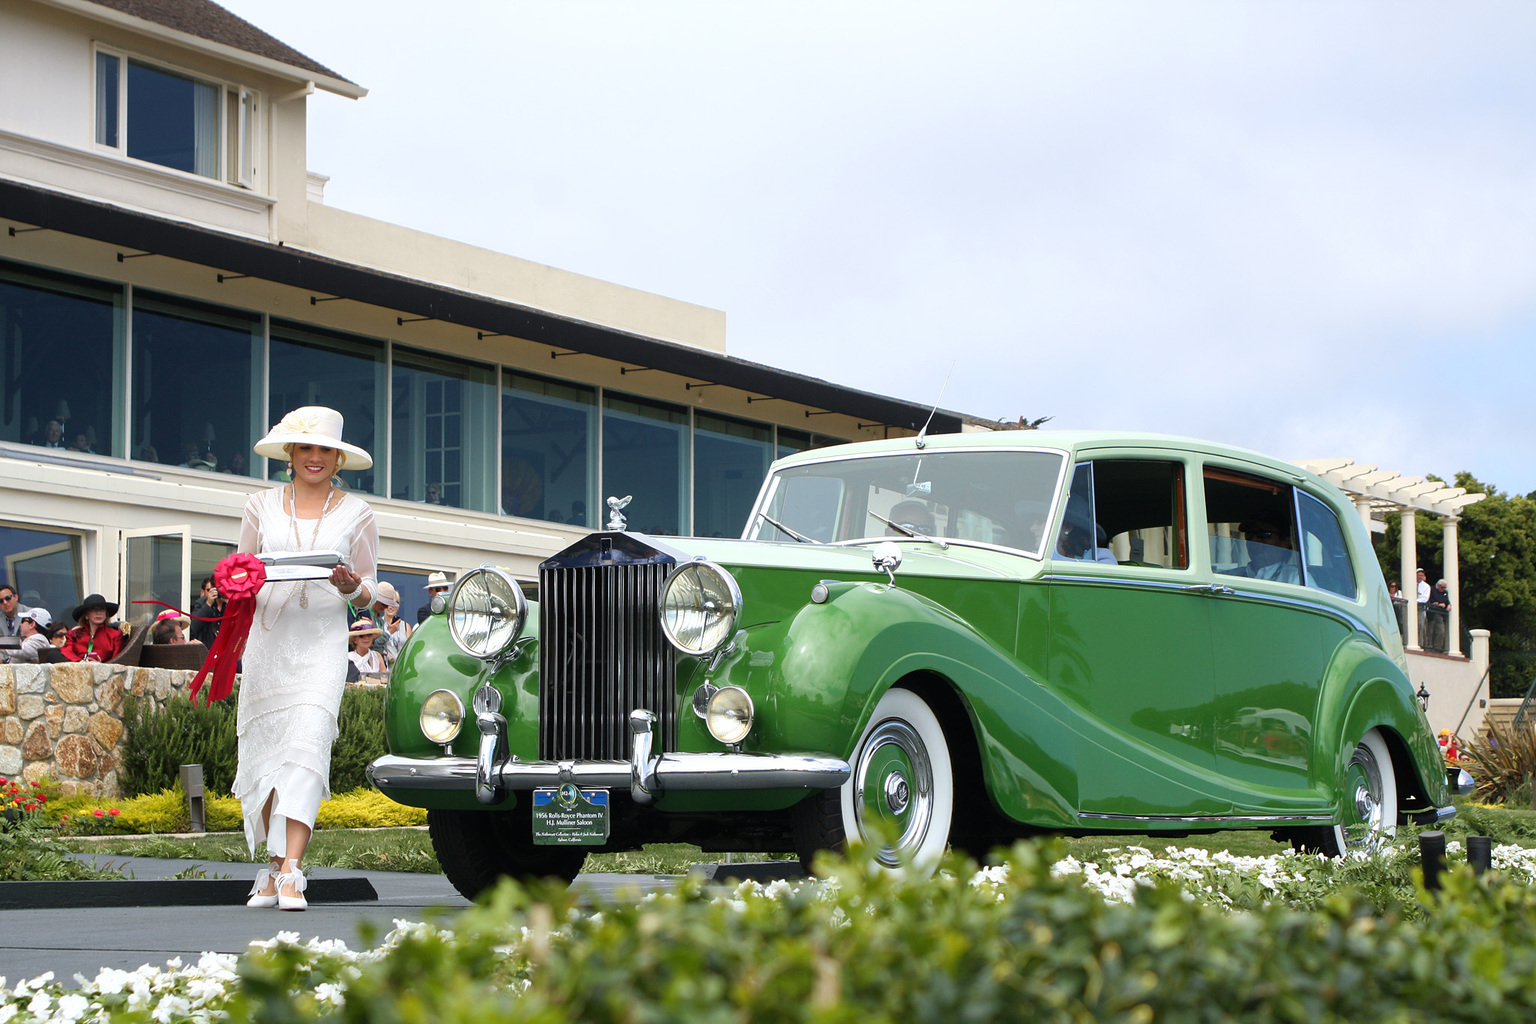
{"points": [[921, 434]]}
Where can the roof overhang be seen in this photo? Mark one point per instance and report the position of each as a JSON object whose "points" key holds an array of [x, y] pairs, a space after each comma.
{"points": [[1389, 491], [280, 264], [233, 54]]}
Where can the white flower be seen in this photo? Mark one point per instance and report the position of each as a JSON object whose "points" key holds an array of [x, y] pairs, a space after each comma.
{"points": [[326, 992], [41, 1003], [171, 1008], [8, 1011], [72, 1007]]}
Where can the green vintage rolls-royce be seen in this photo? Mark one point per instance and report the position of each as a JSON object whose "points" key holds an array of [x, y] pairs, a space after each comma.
{"points": [[967, 637]]}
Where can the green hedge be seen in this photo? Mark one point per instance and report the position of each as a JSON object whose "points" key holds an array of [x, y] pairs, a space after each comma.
{"points": [[876, 949], [157, 742]]}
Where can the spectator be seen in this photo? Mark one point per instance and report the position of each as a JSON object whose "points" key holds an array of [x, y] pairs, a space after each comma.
{"points": [[1438, 611], [92, 639], [35, 623], [206, 613], [437, 583], [367, 662], [235, 465], [147, 453], [395, 630], [1423, 603], [82, 444], [10, 611], [435, 494], [199, 459], [169, 628], [53, 435]]}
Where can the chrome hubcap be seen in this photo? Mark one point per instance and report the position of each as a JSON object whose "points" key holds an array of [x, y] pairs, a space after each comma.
{"points": [[893, 783]]}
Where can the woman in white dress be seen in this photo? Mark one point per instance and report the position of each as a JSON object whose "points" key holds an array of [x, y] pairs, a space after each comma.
{"points": [[368, 661], [292, 677]]}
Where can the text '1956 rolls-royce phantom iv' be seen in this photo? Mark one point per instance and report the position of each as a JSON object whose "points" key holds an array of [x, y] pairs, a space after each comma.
{"points": [[964, 638]]}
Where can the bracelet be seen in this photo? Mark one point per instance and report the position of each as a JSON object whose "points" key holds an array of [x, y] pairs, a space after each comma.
{"points": [[348, 595]]}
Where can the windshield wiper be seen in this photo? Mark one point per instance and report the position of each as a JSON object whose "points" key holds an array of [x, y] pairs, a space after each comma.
{"points": [[910, 532], [802, 538]]}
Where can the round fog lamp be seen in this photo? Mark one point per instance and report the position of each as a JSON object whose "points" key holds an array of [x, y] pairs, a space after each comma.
{"points": [[442, 715], [729, 714], [699, 605], [486, 612]]}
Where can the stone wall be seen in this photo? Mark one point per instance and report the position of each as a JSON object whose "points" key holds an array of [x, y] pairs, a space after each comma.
{"points": [[66, 721]]}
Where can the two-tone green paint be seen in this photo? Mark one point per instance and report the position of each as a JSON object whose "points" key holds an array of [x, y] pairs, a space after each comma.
{"points": [[1091, 689]]}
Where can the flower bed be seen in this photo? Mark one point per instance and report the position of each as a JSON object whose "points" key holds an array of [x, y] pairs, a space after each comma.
{"points": [[1128, 935]]}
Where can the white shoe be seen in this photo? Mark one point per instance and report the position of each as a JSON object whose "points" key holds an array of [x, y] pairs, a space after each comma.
{"points": [[292, 878], [259, 900]]}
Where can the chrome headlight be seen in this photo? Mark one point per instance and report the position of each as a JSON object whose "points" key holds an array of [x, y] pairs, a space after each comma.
{"points": [[729, 714], [486, 611], [699, 605], [442, 716]]}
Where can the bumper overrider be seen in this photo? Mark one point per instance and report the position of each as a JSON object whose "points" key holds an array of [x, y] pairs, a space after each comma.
{"points": [[647, 774]]}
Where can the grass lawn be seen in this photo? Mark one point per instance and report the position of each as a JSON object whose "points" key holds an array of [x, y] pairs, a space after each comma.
{"points": [[410, 849]]}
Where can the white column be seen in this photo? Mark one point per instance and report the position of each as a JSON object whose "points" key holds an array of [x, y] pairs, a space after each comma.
{"points": [[1409, 548], [1452, 585], [1363, 506]]}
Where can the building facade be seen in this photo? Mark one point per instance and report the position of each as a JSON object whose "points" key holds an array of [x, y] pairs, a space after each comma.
{"points": [[172, 282]]}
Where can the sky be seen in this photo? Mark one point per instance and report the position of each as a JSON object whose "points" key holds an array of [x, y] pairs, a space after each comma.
{"points": [[1306, 228]]}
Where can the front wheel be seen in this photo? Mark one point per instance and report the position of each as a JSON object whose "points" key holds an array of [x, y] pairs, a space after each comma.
{"points": [[902, 785], [478, 848], [1368, 816]]}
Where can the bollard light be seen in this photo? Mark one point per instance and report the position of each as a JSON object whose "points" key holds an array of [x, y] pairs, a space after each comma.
{"points": [[1480, 853], [192, 785], [1432, 855]]}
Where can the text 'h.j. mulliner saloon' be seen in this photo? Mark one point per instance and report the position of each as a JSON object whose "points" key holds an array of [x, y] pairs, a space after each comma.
{"points": [[967, 638]]}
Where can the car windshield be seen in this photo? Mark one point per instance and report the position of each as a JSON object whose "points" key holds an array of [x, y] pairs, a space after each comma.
{"points": [[986, 497]]}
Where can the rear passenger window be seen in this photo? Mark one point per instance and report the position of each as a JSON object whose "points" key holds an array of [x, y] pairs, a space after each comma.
{"points": [[1322, 547], [1251, 526]]}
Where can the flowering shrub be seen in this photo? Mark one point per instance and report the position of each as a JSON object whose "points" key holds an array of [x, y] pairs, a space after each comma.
{"points": [[1128, 935], [17, 795]]}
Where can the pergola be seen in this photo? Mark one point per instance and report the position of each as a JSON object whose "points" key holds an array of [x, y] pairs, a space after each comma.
{"points": [[1386, 490]]}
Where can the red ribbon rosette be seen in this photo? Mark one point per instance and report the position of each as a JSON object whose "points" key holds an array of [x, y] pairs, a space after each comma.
{"points": [[238, 576]]}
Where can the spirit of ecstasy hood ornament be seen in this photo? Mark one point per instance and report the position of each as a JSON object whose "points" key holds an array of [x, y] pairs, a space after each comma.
{"points": [[615, 513]]}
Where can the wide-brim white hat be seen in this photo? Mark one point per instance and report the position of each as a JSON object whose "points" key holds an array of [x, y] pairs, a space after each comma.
{"points": [[311, 424]]}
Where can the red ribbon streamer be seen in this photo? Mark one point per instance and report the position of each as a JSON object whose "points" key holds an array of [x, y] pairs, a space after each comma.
{"points": [[238, 576]]}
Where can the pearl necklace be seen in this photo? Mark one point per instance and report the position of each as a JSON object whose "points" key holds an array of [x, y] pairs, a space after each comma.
{"points": [[298, 545]]}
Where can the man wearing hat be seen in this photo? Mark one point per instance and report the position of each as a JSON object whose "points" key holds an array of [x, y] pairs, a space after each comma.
{"points": [[92, 639], [169, 628], [437, 583], [34, 637]]}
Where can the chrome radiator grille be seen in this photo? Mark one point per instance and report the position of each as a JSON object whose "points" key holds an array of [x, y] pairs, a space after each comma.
{"points": [[601, 655]]}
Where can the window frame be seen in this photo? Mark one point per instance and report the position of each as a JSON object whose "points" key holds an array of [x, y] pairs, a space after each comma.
{"points": [[238, 137]]}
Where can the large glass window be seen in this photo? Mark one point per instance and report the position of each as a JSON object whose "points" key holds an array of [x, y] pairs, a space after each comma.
{"points": [[1251, 526], [1323, 548], [309, 367], [61, 357], [444, 416], [645, 454], [548, 457], [196, 384], [44, 568], [730, 459]]}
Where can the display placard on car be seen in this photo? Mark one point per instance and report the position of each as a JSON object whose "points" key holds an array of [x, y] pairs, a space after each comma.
{"points": [[570, 816]]}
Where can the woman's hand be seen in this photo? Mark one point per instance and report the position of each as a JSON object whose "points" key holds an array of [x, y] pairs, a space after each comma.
{"points": [[345, 580]]}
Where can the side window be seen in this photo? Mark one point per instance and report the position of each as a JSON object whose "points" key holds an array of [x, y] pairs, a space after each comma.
{"points": [[1322, 548], [1139, 505], [1127, 512], [1080, 538], [1251, 526]]}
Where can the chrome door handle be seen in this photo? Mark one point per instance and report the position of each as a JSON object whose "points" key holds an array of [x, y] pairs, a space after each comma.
{"points": [[1211, 588]]}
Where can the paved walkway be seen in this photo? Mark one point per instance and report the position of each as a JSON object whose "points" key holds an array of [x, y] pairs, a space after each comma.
{"points": [[70, 942]]}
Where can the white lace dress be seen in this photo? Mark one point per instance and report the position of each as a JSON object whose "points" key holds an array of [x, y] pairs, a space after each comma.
{"points": [[295, 664]]}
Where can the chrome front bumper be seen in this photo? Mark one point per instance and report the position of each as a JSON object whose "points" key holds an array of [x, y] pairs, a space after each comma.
{"points": [[646, 774]]}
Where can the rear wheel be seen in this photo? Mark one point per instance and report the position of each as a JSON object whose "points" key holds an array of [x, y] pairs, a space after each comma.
{"points": [[478, 848], [902, 779], [1368, 817]]}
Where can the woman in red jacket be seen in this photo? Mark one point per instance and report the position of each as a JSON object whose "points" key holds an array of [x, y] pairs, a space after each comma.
{"points": [[93, 639]]}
